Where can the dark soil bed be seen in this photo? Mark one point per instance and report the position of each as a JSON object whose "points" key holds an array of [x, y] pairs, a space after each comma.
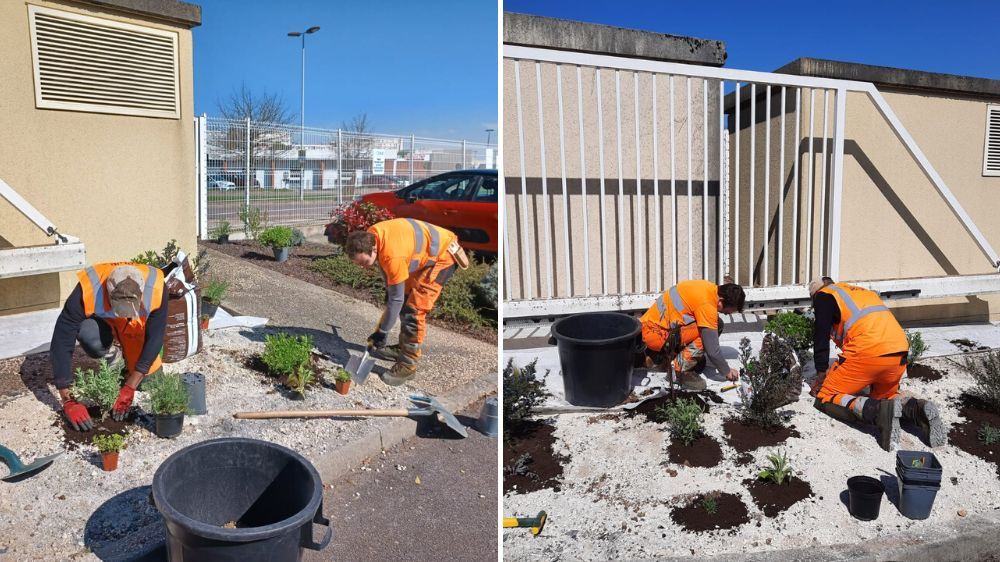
{"points": [[34, 373], [73, 438], [773, 499], [531, 448], [703, 452], [745, 438], [297, 266], [648, 408], [965, 435], [730, 513], [968, 346], [923, 372]]}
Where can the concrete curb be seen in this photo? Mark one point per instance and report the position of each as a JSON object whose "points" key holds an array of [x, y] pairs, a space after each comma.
{"points": [[339, 462]]}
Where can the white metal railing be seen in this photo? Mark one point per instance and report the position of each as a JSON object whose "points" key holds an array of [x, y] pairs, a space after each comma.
{"points": [[531, 236], [297, 175]]}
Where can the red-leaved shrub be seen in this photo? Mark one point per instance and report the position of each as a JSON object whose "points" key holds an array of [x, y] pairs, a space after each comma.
{"points": [[353, 217]]}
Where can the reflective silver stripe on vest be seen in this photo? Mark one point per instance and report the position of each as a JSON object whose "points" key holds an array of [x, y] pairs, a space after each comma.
{"points": [[147, 291], [418, 234], [661, 306], [856, 313], [98, 289], [675, 299]]}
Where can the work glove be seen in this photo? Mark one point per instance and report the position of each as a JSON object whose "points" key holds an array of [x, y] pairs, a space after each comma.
{"points": [[817, 383], [377, 339], [77, 415], [124, 402]]}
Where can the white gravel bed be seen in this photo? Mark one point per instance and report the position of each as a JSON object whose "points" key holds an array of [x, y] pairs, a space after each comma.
{"points": [[617, 492], [44, 517]]}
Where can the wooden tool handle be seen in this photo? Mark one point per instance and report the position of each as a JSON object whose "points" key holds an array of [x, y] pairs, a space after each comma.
{"points": [[402, 413]]}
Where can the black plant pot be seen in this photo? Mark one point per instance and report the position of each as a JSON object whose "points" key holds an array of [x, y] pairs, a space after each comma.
{"points": [[280, 254], [223, 239], [209, 308], [169, 426]]}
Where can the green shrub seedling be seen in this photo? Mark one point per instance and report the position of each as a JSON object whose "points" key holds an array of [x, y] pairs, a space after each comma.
{"points": [[684, 417], [522, 393], [796, 330], [989, 434], [254, 221], [985, 371], [710, 505], [98, 388], [110, 443], [284, 353], [917, 347], [765, 380], [276, 237], [215, 291], [167, 394], [220, 230], [780, 469], [342, 375]]}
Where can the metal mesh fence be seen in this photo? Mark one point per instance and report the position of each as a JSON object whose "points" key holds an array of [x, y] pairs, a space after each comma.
{"points": [[297, 176]]}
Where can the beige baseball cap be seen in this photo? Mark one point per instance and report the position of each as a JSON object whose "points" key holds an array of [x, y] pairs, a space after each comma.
{"points": [[125, 291], [817, 284]]}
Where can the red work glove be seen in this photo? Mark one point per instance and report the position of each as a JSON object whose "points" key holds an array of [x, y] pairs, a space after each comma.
{"points": [[124, 402], [77, 415]]}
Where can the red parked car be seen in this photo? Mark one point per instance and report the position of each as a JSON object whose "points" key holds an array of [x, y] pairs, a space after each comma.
{"points": [[463, 201]]}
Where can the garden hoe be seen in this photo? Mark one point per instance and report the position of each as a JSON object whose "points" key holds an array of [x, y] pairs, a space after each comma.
{"points": [[534, 523], [427, 406], [18, 469]]}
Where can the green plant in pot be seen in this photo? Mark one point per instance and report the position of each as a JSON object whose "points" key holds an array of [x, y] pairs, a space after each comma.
{"points": [[211, 297], [342, 380], [221, 232], [109, 445], [279, 238], [168, 402], [299, 379]]}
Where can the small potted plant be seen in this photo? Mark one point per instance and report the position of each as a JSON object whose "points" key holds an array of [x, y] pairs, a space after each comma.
{"points": [[204, 321], [220, 233], [211, 297], [168, 402], [342, 380], [279, 238], [109, 446]]}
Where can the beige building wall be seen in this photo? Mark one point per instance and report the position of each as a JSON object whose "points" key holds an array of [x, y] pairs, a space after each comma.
{"points": [[894, 223], [619, 253], [122, 184]]}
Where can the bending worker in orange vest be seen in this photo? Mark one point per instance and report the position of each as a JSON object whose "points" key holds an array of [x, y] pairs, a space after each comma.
{"points": [[873, 353], [417, 259], [695, 306], [123, 303]]}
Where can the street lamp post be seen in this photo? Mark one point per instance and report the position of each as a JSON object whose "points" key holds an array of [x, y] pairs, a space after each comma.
{"points": [[302, 109], [488, 133]]}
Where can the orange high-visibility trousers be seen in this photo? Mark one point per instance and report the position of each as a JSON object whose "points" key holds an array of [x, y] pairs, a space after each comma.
{"points": [[847, 377], [422, 290], [655, 337]]}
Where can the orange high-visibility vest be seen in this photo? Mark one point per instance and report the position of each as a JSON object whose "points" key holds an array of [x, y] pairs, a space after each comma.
{"points": [[867, 327], [418, 243], [683, 302], [131, 335]]}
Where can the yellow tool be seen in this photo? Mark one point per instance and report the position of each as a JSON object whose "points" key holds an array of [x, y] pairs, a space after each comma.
{"points": [[730, 386], [534, 523]]}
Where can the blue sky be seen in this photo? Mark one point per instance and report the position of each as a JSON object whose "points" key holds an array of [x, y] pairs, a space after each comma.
{"points": [[956, 37], [428, 68]]}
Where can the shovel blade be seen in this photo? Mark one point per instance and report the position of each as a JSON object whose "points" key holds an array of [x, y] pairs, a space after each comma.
{"points": [[360, 368], [26, 470]]}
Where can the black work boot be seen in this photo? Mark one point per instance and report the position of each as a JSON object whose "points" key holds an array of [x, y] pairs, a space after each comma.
{"points": [[836, 411], [884, 414], [924, 414], [388, 352], [691, 381]]}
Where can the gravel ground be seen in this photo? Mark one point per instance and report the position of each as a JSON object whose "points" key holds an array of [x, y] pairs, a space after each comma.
{"points": [[617, 492]]}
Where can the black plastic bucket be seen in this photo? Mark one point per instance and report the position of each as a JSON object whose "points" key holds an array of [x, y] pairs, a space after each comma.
{"points": [[273, 495], [916, 500], [927, 474], [864, 497], [596, 353]]}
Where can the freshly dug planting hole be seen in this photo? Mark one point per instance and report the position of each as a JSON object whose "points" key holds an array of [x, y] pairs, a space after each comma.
{"points": [[73, 438], [965, 435], [703, 452], [529, 463], [772, 498], [745, 438], [923, 372], [729, 513], [649, 407]]}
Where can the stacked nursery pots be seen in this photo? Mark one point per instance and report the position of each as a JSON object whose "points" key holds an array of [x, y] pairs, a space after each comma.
{"points": [[918, 474]]}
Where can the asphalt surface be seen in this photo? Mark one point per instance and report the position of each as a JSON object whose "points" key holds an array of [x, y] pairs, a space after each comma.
{"points": [[379, 511]]}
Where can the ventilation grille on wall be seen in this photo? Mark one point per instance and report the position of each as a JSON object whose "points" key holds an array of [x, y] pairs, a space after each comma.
{"points": [[90, 64], [991, 154]]}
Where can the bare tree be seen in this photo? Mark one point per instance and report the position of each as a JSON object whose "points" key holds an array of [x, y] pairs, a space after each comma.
{"points": [[267, 112], [358, 140]]}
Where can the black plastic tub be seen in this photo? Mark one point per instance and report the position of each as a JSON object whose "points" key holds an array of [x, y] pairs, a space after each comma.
{"points": [[208, 308], [596, 353], [929, 473], [916, 500], [195, 384], [864, 497], [272, 494]]}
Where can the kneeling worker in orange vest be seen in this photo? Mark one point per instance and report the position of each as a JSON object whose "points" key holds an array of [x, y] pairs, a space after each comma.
{"points": [[873, 353], [123, 303], [695, 306], [417, 259]]}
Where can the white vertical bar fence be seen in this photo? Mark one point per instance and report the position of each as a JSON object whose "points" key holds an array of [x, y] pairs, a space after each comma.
{"points": [[549, 257], [795, 185], [720, 204], [583, 183], [823, 199], [641, 253], [673, 184], [839, 118], [525, 251], [765, 270], [810, 185], [704, 179], [656, 193], [600, 153], [781, 190], [567, 273], [690, 181], [751, 251], [621, 183], [737, 129]]}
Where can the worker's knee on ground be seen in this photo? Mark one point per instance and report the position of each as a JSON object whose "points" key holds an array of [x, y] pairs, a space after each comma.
{"points": [[95, 338]]}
